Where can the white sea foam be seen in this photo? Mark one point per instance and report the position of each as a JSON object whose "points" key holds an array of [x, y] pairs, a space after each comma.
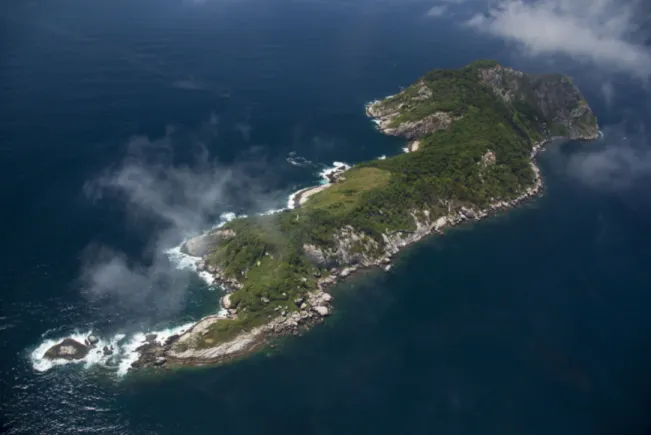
{"points": [[184, 261], [382, 157], [290, 200], [299, 161], [336, 167], [129, 351], [124, 349], [323, 175]]}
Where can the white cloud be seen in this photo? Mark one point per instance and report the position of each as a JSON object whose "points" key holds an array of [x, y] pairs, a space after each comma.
{"points": [[166, 201], [618, 162], [602, 32], [437, 11], [608, 92]]}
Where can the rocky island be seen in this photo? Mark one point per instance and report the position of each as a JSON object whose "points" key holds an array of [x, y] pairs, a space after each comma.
{"points": [[473, 132]]}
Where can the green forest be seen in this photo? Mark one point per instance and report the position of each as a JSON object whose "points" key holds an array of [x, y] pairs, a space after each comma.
{"points": [[378, 196]]}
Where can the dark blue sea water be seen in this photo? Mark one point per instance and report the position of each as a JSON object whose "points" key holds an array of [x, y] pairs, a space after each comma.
{"points": [[127, 125]]}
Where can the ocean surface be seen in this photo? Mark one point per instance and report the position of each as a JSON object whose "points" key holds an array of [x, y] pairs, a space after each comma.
{"points": [[127, 126]]}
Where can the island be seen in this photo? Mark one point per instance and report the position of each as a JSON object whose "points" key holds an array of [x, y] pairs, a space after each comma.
{"points": [[473, 134]]}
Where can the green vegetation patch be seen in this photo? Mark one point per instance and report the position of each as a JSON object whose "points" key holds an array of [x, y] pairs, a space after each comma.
{"points": [[344, 195], [378, 197]]}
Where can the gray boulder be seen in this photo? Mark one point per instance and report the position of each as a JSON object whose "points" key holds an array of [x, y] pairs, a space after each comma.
{"points": [[322, 311]]}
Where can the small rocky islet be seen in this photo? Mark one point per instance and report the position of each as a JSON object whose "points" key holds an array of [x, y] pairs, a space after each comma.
{"points": [[71, 349], [474, 134]]}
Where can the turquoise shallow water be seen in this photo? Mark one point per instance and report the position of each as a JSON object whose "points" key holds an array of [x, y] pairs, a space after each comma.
{"points": [[534, 321]]}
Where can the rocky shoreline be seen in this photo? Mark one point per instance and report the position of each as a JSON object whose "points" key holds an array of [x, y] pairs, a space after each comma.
{"points": [[562, 109], [299, 198], [317, 305], [309, 310]]}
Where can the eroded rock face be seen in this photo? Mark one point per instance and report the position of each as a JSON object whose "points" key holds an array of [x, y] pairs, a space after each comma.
{"points": [[417, 129], [206, 243], [557, 97], [226, 301], [352, 247], [315, 255], [68, 349]]}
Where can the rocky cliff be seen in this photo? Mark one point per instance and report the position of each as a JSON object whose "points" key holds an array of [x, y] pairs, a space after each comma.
{"points": [[554, 101], [559, 103]]}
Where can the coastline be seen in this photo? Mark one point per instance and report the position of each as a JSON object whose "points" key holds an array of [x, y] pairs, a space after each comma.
{"points": [[228, 334], [320, 299], [162, 351], [330, 176]]}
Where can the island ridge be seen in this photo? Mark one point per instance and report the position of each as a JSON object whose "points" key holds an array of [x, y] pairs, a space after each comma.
{"points": [[473, 134]]}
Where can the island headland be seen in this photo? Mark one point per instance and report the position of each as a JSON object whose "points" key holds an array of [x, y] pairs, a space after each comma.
{"points": [[473, 135]]}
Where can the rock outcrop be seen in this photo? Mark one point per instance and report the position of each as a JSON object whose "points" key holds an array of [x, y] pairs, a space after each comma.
{"points": [[206, 243], [69, 349], [413, 129], [555, 96]]}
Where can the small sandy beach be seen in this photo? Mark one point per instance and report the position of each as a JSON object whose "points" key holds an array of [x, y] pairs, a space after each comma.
{"points": [[302, 195]]}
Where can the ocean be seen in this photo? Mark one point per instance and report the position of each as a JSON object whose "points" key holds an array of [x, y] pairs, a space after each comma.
{"points": [[127, 126]]}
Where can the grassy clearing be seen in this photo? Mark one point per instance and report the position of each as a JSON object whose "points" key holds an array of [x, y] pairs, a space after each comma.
{"points": [[345, 195]]}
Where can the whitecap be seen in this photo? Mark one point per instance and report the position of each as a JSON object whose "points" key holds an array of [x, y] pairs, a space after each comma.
{"points": [[124, 349], [182, 260], [95, 355], [336, 167], [299, 161], [129, 353]]}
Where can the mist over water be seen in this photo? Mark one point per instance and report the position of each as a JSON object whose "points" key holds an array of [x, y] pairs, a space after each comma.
{"points": [[131, 126]]}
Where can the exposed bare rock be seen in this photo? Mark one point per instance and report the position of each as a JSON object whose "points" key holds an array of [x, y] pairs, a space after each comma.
{"points": [[68, 349], [488, 159], [323, 311], [353, 247], [416, 129], [206, 243], [226, 301], [315, 255], [326, 297], [556, 97]]}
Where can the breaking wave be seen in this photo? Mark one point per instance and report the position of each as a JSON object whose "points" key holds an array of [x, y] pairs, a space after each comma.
{"points": [[123, 349]]}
